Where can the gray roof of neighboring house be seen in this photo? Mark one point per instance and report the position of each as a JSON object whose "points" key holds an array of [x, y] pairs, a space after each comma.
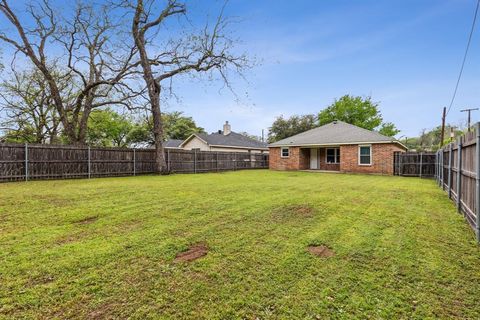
{"points": [[173, 143], [335, 132], [232, 139]]}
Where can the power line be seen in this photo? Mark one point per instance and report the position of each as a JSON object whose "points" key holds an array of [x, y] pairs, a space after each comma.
{"points": [[465, 56], [469, 111]]}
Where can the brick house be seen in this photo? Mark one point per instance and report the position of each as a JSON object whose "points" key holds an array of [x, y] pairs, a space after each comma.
{"points": [[223, 140], [337, 146]]}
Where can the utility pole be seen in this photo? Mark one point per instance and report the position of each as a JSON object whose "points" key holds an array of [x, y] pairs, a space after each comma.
{"points": [[443, 125], [469, 111]]}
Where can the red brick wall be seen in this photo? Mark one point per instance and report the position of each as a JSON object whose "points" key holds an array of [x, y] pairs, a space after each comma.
{"points": [[304, 159], [382, 159], [298, 159]]}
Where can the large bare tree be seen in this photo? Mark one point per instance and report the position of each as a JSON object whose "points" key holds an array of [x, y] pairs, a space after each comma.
{"points": [[87, 47], [27, 105], [184, 51]]}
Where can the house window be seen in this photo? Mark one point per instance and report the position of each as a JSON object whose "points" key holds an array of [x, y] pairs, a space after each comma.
{"points": [[285, 152], [333, 155], [365, 155]]}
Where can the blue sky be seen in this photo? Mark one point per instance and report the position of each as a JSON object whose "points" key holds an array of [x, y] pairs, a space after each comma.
{"points": [[405, 54]]}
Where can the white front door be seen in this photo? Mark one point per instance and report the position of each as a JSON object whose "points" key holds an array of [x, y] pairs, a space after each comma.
{"points": [[313, 158]]}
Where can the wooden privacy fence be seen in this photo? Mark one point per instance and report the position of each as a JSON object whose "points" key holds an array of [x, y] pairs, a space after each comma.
{"points": [[457, 171], [414, 164], [37, 161]]}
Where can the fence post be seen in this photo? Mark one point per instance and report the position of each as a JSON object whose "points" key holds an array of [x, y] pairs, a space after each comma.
{"points": [[450, 160], [216, 162], [89, 166], [134, 163], [442, 172], [459, 174], [477, 180], [194, 160], [437, 161], [399, 165], [26, 161], [439, 166], [234, 161], [421, 164], [395, 163], [168, 160]]}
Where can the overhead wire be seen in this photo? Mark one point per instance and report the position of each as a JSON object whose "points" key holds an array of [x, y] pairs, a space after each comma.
{"points": [[464, 56]]}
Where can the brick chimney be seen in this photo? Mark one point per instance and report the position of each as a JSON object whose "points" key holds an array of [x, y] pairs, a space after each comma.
{"points": [[226, 128]]}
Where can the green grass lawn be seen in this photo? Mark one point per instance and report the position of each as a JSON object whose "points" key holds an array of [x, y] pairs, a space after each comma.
{"points": [[105, 248]]}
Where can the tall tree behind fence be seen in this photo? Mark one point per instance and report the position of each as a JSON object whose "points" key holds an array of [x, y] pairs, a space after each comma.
{"points": [[414, 164], [457, 171], [36, 161]]}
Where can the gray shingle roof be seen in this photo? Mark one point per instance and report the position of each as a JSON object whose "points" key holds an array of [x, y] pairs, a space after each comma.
{"points": [[232, 139], [172, 143], [335, 132]]}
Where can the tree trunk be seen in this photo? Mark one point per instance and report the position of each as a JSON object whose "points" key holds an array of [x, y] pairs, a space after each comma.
{"points": [[154, 90], [160, 163]]}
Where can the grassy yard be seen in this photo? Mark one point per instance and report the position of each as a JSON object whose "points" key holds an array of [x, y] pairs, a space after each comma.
{"points": [[105, 248]]}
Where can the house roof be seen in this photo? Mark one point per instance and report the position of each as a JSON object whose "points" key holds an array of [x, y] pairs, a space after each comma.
{"points": [[335, 132], [172, 143], [232, 139]]}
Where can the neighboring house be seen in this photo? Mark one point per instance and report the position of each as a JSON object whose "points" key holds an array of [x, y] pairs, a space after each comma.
{"points": [[172, 144], [337, 146], [225, 140]]}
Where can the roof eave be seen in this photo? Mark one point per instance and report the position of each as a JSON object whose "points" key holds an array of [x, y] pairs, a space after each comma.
{"points": [[333, 144], [230, 146], [190, 138]]}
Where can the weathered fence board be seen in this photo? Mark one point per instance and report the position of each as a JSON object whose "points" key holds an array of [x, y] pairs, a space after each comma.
{"points": [[35, 161], [414, 164], [458, 173]]}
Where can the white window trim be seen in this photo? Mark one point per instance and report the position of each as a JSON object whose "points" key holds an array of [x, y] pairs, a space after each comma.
{"points": [[371, 160], [337, 152], [281, 152]]}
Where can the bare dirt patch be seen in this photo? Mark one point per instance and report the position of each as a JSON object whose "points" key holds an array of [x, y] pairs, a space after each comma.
{"points": [[321, 251], [40, 280], [86, 220], [103, 311], [293, 211], [70, 238], [193, 253]]}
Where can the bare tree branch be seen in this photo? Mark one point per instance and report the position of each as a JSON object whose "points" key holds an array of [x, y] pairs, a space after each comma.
{"points": [[97, 58], [202, 53]]}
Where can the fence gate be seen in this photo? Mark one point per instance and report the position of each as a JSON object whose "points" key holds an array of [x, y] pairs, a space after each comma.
{"points": [[414, 164]]}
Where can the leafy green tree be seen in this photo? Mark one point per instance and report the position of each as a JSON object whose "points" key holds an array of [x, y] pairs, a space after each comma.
{"points": [[251, 136], [108, 128], [27, 113], [362, 112], [141, 134], [429, 140], [26, 134], [388, 129], [178, 126], [282, 128], [175, 125], [359, 111]]}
